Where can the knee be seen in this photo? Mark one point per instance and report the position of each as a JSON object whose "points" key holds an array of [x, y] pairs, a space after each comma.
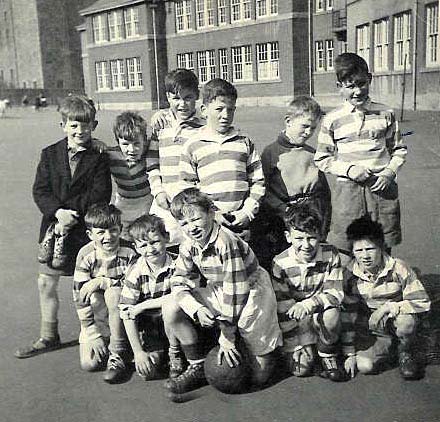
{"points": [[405, 325], [364, 365], [111, 296], [47, 284], [332, 319], [171, 312]]}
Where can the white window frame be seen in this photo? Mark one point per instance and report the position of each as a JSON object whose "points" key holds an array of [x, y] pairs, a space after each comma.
{"points": [[99, 24], [319, 5], [240, 10], [381, 44], [329, 5], [102, 76], [185, 61], [329, 54], [363, 40], [204, 13], [115, 25], [222, 12], [432, 35], [131, 22], [134, 73], [266, 8], [183, 15], [117, 69], [242, 63], [268, 61], [206, 65], [223, 62], [319, 56], [402, 40]]}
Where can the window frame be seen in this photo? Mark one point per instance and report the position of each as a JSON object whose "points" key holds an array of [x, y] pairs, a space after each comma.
{"points": [[381, 43], [363, 41], [268, 61], [432, 51], [402, 40], [223, 63], [120, 82], [244, 65], [102, 71], [134, 69], [184, 15], [185, 60], [319, 56]]}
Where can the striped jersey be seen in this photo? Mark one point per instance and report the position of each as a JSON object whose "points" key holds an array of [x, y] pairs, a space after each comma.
{"points": [[225, 167], [164, 153], [397, 284], [90, 264], [142, 283], [368, 137], [317, 285], [226, 262], [131, 182]]}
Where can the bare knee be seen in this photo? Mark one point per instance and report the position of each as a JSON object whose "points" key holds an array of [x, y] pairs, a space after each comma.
{"points": [[405, 325], [332, 319], [47, 285], [171, 311], [112, 296], [364, 365]]}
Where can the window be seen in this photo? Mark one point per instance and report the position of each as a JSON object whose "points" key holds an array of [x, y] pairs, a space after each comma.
{"points": [[222, 16], [432, 44], [206, 65], [131, 20], [204, 13], [381, 44], [117, 68], [223, 62], [183, 15], [242, 63], [115, 25], [267, 8], [402, 39], [240, 10], [134, 73], [329, 4], [185, 61], [319, 56], [319, 5], [102, 76], [268, 61], [99, 25], [329, 54], [363, 42]]}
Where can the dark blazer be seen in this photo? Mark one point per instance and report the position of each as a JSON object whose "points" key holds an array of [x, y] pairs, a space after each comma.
{"points": [[55, 188]]}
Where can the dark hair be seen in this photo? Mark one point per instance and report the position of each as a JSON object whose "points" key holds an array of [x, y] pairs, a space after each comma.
{"points": [[79, 108], [129, 125], [181, 79], [218, 88], [348, 65], [145, 224], [186, 200], [304, 218], [303, 104], [366, 228], [102, 216]]}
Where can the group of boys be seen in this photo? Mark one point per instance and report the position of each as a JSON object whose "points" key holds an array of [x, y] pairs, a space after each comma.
{"points": [[253, 267]]}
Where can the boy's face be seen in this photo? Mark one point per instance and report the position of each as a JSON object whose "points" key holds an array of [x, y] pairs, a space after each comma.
{"points": [[368, 255], [356, 89], [220, 114], [183, 103], [304, 244], [105, 239], [300, 128], [198, 224], [153, 248], [79, 133], [132, 150]]}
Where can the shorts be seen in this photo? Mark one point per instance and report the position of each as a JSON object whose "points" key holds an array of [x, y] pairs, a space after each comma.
{"points": [[152, 332]]}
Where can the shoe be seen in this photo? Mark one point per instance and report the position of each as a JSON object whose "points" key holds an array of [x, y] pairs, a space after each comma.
{"points": [[178, 364], [409, 367], [42, 345], [45, 248], [59, 258], [331, 369], [191, 379], [116, 369]]}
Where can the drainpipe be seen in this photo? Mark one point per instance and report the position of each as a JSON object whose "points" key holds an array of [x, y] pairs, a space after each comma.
{"points": [[414, 60]]}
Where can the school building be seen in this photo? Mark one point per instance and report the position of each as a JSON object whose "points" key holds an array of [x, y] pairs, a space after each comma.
{"points": [[399, 39]]}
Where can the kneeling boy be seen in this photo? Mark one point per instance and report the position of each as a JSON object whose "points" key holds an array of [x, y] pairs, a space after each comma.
{"points": [[307, 279], [383, 299]]}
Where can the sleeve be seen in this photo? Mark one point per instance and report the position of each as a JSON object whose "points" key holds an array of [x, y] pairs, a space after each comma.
{"points": [[185, 278], [332, 292], [349, 312], [131, 291], [325, 156], [255, 175], [283, 296], [188, 168], [42, 191], [395, 145], [153, 167]]}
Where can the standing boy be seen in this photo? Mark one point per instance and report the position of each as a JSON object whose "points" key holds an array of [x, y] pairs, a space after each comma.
{"points": [[71, 176], [360, 143]]}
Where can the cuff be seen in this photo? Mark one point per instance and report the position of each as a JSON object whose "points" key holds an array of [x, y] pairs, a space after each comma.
{"points": [[394, 308], [309, 304], [89, 334]]}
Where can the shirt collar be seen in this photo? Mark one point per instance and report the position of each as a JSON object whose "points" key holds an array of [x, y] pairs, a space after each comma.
{"points": [[212, 237], [168, 263], [364, 107], [207, 134], [75, 149], [389, 263], [318, 257]]}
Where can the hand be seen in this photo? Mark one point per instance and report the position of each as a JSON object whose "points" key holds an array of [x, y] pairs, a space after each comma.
{"points": [[162, 200], [350, 366], [231, 355], [205, 317], [145, 362], [67, 218], [130, 312], [238, 219], [381, 184], [99, 349], [88, 289], [377, 316], [297, 311], [98, 145], [358, 173], [159, 120]]}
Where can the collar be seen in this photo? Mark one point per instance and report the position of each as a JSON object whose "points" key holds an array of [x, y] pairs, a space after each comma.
{"points": [[364, 107], [296, 260], [212, 238], [195, 117], [284, 141], [389, 263], [206, 134], [103, 255], [74, 149], [168, 262]]}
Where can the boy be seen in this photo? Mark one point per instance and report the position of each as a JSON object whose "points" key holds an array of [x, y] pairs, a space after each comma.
{"points": [[182, 91], [237, 294], [384, 300], [145, 287], [360, 143], [307, 280], [101, 266], [223, 163], [291, 178], [128, 167], [71, 176]]}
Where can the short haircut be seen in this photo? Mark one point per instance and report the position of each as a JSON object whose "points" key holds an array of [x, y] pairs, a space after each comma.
{"points": [[129, 126], [218, 88], [78, 108], [185, 201], [102, 216], [302, 105], [366, 228], [145, 224], [181, 79], [303, 218], [348, 65]]}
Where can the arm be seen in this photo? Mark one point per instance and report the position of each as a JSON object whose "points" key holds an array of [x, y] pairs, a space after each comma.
{"points": [[188, 168], [285, 302], [153, 166], [395, 145]]}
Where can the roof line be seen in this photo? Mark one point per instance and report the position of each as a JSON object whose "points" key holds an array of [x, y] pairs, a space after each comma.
{"points": [[91, 10]]}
